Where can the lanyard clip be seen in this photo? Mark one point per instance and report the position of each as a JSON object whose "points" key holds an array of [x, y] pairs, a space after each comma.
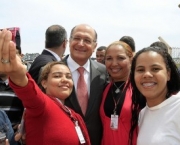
{"points": [[114, 112], [76, 123]]}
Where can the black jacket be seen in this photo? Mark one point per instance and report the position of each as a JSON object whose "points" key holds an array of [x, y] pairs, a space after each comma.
{"points": [[39, 62]]}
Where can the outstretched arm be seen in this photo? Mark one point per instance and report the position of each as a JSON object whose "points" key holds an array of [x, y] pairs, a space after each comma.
{"points": [[10, 63]]}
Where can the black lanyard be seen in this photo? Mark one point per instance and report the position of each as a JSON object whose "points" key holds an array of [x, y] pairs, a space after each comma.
{"points": [[120, 101]]}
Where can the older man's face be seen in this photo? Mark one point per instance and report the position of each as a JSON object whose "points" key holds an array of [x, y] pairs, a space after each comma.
{"points": [[82, 44]]}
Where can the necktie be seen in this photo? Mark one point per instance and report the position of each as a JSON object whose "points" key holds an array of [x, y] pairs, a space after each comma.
{"points": [[82, 92]]}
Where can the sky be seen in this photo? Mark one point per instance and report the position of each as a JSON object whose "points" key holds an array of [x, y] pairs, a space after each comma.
{"points": [[144, 20]]}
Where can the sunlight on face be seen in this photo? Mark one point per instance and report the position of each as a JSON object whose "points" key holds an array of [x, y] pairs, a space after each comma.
{"points": [[59, 83], [79, 49], [151, 77], [117, 63]]}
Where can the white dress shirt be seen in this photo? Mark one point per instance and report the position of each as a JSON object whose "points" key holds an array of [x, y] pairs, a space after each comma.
{"points": [[73, 66]]}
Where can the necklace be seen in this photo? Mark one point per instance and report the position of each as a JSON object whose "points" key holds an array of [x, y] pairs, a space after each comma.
{"points": [[118, 88]]}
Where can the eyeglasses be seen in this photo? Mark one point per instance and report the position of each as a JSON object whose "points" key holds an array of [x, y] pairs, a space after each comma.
{"points": [[87, 41]]}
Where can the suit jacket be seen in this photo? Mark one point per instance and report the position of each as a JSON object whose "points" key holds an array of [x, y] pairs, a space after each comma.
{"points": [[39, 62], [92, 117]]}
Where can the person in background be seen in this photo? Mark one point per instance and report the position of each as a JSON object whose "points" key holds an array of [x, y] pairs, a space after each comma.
{"points": [[82, 43], [45, 110], [155, 78], [130, 41], [115, 110], [160, 44], [6, 130], [55, 46], [4, 83], [100, 54]]}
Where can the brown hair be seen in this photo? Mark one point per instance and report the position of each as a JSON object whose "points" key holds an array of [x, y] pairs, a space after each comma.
{"points": [[44, 72], [124, 45]]}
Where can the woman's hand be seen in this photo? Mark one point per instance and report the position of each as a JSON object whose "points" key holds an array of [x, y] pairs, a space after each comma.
{"points": [[20, 136], [10, 63]]}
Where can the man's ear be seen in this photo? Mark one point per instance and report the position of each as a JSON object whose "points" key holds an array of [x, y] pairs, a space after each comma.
{"points": [[65, 43], [95, 45]]}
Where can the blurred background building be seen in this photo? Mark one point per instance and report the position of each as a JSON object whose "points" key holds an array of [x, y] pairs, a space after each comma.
{"points": [[29, 57]]}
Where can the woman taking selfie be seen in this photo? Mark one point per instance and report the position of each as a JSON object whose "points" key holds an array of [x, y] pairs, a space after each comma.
{"points": [[47, 119]]}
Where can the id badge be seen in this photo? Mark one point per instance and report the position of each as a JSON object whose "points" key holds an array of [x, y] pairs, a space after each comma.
{"points": [[114, 122], [79, 133]]}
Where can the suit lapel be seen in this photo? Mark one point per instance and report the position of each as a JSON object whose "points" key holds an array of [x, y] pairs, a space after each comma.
{"points": [[94, 84]]}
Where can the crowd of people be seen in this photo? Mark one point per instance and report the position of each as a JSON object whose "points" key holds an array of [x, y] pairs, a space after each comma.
{"points": [[123, 97]]}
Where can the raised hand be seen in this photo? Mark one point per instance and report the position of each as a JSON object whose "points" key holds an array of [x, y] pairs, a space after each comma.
{"points": [[10, 63]]}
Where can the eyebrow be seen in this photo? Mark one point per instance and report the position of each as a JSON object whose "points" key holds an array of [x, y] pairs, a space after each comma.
{"points": [[150, 66], [119, 55], [79, 35], [60, 73]]}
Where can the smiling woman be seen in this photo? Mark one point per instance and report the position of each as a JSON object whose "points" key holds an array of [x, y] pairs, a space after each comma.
{"points": [[44, 110], [56, 81], [154, 76], [115, 109]]}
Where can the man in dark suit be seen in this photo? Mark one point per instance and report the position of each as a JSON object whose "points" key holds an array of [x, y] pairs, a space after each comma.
{"points": [[82, 43], [55, 45]]}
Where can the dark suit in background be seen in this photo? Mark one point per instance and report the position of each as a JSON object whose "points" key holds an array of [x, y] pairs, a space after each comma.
{"points": [[39, 62]]}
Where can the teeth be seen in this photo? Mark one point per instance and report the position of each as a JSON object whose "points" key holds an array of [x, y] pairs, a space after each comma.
{"points": [[63, 86], [148, 84], [81, 50], [115, 70]]}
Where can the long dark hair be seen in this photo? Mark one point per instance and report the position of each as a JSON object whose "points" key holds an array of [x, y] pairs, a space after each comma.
{"points": [[138, 100]]}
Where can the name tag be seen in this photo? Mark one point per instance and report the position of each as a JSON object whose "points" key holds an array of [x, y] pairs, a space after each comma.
{"points": [[114, 122], [79, 133]]}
